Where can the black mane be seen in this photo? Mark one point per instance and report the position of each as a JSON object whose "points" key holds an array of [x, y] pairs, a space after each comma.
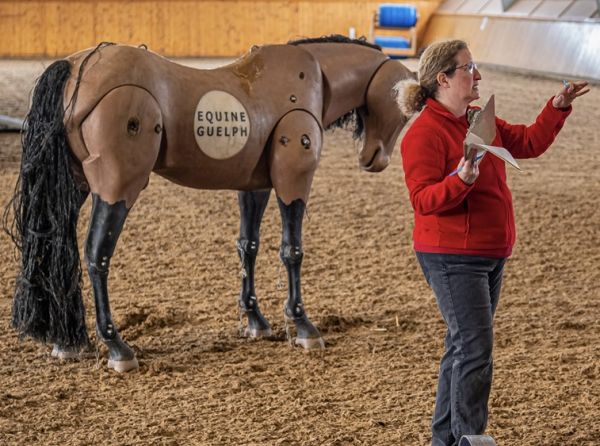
{"points": [[350, 121], [336, 38]]}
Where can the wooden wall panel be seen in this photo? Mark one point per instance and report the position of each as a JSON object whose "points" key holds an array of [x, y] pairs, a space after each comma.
{"points": [[51, 28], [27, 39], [68, 23], [318, 18], [557, 47]]}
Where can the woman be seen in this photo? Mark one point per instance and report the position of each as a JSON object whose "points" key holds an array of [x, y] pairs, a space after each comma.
{"points": [[464, 224]]}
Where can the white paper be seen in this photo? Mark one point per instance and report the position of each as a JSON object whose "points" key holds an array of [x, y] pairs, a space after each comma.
{"points": [[481, 134], [500, 152]]}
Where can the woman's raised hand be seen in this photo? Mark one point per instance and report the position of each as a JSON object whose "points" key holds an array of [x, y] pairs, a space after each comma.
{"points": [[569, 92]]}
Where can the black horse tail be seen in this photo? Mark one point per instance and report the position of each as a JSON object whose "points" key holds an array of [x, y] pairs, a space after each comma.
{"points": [[48, 304]]}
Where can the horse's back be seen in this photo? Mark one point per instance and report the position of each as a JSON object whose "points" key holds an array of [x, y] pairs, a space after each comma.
{"points": [[107, 68]]}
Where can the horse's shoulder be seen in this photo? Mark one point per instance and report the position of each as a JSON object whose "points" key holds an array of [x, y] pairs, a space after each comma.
{"points": [[281, 78]]}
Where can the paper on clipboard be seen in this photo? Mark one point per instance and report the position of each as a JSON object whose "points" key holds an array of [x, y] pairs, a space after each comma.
{"points": [[481, 134], [474, 142]]}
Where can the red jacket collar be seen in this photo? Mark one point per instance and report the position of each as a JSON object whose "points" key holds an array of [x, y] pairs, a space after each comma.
{"points": [[438, 108]]}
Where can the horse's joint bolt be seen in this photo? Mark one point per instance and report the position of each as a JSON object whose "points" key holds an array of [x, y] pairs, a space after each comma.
{"points": [[157, 128], [104, 258], [301, 75], [133, 126], [247, 246], [305, 141], [284, 140], [293, 98], [298, 310]]}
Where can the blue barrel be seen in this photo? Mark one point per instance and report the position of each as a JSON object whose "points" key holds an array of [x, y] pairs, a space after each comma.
{"points": [[397, 16], [392, 42]]}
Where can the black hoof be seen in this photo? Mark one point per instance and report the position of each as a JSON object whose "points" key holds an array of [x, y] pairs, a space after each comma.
{"points": [[258, 326], [118, 350], [121, 357], [307, 335]]}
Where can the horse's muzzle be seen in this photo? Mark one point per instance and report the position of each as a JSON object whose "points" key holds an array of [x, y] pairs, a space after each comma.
{"points": [[376, 163]]}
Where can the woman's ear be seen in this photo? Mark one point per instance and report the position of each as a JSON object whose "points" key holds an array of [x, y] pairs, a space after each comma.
{"points": [[442, 79]]}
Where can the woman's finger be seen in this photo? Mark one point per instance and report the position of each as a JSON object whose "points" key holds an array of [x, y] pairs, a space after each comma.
{"points": [[581, 93], [472, 155], [467, 165]]}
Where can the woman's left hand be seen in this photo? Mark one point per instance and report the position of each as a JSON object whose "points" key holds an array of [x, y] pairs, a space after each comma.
{"points": [[569, 92]]}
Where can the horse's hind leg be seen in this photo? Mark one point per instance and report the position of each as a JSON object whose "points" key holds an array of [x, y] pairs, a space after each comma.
{"points": [[123, 137], [252, 208], [106, 223], [296, 147]]}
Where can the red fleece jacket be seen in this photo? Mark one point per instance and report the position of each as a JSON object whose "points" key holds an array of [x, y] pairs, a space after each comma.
{"points": [[456, 218]]}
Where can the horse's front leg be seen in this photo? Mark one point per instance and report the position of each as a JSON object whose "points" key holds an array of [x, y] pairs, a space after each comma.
{"points": [[252, 208], [296, 147], [291, 253]]}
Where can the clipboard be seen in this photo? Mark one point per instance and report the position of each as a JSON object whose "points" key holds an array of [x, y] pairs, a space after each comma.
{"points": [[482, 133]]}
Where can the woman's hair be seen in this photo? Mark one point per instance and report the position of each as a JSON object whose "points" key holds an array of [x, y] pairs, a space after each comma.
{"points": [[438, 57]]}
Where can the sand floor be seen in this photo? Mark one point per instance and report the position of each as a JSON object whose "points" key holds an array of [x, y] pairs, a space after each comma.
{"points": [[174, 284]]}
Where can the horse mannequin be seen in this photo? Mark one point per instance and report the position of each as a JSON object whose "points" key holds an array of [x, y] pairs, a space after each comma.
{"points": [[103, 119]]}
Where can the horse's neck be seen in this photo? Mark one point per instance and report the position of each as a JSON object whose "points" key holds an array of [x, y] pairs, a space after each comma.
{"points": [[347, 69]]}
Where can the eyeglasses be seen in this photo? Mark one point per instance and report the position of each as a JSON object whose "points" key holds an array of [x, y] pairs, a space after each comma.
{"points": [[469, 67]]}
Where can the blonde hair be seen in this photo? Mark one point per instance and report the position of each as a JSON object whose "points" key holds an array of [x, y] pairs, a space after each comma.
{"points": [[437, 58]]}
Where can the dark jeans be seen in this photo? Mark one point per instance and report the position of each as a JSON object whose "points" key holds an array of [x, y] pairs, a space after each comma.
{"points": [[467, 289]]}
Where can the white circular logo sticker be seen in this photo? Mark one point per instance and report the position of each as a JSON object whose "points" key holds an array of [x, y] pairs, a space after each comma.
{"points": [[221, 125]]}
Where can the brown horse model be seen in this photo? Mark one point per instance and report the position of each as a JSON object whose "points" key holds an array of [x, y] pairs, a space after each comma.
{"points": [[103, 119]]}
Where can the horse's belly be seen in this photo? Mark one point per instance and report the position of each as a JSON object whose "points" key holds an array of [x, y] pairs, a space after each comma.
{"points": [[245, 171]]}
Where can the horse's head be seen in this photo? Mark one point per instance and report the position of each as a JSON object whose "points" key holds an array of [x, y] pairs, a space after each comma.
{"points": [[381, 118], [358, 77]]}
